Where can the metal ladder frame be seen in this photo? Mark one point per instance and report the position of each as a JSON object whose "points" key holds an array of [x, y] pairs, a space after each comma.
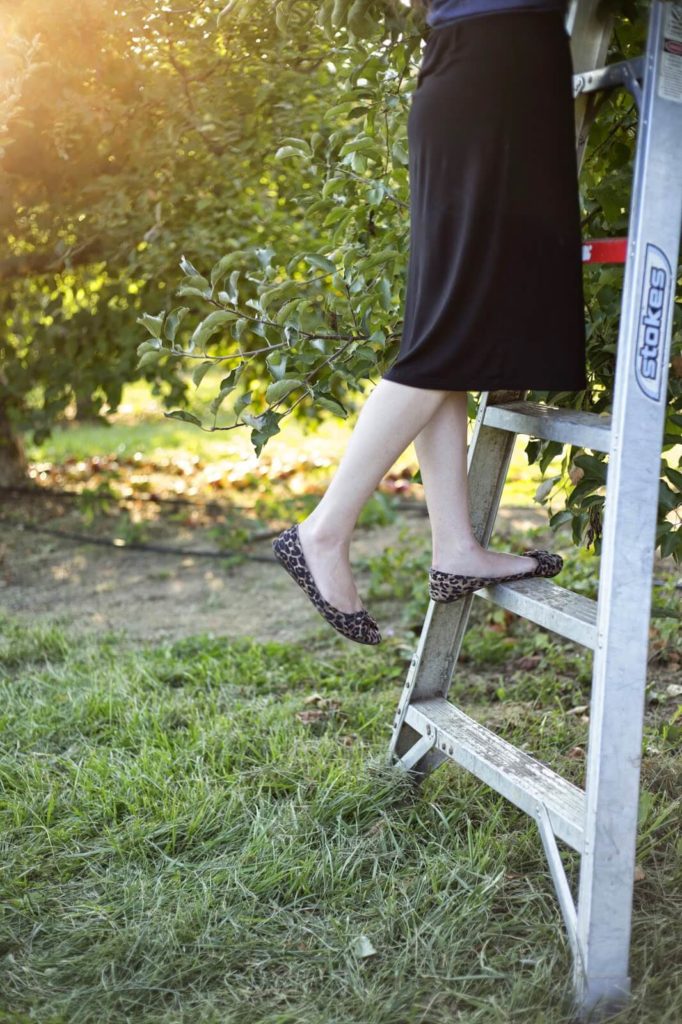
{"points": [[599, 822]]}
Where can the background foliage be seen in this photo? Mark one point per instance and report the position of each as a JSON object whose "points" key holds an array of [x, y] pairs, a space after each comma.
{"points": [[262, 148]]}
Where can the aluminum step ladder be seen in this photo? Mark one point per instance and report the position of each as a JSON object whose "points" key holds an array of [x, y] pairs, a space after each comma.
{"points": [[599, 822]]}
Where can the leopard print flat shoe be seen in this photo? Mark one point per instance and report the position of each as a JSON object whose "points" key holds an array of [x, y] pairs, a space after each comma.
{"points": [[358, 626], [445, 587]]}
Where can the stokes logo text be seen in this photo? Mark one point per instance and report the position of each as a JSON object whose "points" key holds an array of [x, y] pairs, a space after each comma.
{"points": [[652, 322]]}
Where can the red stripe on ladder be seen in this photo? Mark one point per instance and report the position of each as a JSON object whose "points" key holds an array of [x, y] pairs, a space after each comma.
{"points": [[605, 250]]}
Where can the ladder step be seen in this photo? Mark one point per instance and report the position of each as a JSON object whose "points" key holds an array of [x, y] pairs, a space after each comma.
{"points": [[570, 426], [547, 604], [519, 777]]}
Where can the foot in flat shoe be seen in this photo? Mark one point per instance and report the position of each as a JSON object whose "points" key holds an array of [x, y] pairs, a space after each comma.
{"points": [[445, 587], [480, 561], [330, 568], [357, 625]]}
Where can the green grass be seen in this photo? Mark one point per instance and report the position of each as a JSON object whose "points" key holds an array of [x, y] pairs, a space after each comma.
{"points": [[178, 845]]}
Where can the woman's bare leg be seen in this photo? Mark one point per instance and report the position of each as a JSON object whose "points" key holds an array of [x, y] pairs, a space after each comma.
{"points": [[390, 419], [441, 448]]}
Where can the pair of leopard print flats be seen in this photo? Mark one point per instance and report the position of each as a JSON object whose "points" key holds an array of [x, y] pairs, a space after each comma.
{"points": [[358, 626], [445, 587]]}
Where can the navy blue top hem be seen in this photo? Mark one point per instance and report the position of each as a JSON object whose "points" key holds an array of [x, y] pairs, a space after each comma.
{"points": [[445, 12]]}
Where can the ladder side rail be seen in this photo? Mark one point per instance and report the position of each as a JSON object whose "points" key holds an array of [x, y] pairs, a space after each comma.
{"points": [[590, 30], [620, 661]]}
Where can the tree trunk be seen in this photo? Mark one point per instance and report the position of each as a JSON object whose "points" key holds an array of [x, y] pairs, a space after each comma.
{"points": [[13, 464]]}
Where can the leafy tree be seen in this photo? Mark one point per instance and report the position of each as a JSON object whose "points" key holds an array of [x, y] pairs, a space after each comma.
{"points": [[136, 134], [322, 321], [263, 148]]}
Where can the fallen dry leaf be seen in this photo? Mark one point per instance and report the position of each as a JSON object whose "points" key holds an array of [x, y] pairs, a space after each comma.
{"points": [[576, 753], [307, 717], [528, 662], [330, 703]]}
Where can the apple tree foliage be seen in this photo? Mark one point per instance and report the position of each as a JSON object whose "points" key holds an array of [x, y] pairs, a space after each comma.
{"points": [[234, 184]]}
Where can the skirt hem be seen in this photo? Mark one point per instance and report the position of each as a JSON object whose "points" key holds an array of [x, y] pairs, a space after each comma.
{"points": [[438, 385]]}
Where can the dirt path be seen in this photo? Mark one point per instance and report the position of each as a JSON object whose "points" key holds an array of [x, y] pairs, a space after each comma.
{"points": [[159, 596]]}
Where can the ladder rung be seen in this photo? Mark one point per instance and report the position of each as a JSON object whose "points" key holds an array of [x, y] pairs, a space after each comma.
{"points": [[570, 426], [547, 604], [519, 777]]}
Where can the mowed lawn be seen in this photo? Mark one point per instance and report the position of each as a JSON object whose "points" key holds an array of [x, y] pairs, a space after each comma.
{"points": [[207, 830]]}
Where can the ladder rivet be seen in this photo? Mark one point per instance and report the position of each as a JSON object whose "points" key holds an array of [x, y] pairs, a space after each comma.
{"points": [[449, 750]]}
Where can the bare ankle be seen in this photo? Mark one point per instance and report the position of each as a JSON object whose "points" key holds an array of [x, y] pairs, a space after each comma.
{"points": [[454, 548], [327, 534]]}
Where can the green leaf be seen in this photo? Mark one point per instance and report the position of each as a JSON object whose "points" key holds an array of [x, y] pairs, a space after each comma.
{"points": [[337, 214], [181, 414], [385, 293], [188, 289], [242, 402], [220, 397], [276, 363], [339, 12], [233, 290], [148, 346], [191, 271], [360, 144], [286, 309], [332, 405], [299, 144], [281, 19], [264, 256], [149, 357], [278, 291], [330, 186], [563, 516], [669, 499], [213, 323], [669, 543], [219, 269], [153, 324], [280, 389], [200, 371], [240, 326], [285, 151], [268, 426], [173, 321], [321, 262], [674, 476]]}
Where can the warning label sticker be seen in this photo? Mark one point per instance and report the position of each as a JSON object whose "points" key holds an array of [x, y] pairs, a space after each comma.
{"points": [[670, 79]]}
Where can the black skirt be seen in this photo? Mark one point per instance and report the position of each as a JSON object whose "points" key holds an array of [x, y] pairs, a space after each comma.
{"points": [[494, 291]]}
